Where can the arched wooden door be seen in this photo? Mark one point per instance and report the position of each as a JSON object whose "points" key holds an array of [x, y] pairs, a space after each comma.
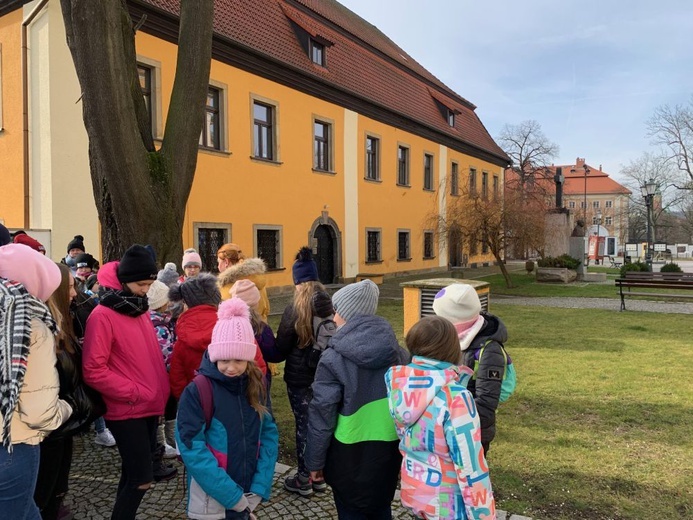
{"points": [[325, 254]]}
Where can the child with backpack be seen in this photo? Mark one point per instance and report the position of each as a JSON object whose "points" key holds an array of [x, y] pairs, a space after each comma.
{"points": [[481, 338], [228, 441], [295, 340], [444, 471], [352, 442]]}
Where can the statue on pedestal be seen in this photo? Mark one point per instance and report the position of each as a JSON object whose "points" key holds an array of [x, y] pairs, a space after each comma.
{"points": [[579, 229]]}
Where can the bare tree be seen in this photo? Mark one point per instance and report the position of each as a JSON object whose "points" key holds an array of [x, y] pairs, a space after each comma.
{"points": [[651, 167], [672, 128], [140, 191], [530, 150], [494, 221]]}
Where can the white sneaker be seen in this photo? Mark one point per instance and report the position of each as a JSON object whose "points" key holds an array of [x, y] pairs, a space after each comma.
{"points": [[170, 452], [105, 438]]}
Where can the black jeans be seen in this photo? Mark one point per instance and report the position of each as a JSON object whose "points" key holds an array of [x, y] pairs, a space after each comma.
{"points": [[136, 441], [53, 475], [345, 513], [299, 399]]}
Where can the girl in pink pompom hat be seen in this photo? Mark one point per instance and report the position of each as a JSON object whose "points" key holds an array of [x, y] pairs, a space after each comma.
{"points": [[230, 462]]}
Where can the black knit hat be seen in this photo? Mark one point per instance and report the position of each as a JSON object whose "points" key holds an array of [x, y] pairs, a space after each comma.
{"points": [[200, 290], [86, 260], [76, 243], [136, 265], [305, 269], [5, 237]]}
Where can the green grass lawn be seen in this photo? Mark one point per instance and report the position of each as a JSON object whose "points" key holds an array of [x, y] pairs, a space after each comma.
{"points": [[601, 423], [526, 285]]}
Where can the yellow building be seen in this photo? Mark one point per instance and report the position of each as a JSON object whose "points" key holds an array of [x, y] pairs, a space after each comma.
{"points": [[320, 130]]}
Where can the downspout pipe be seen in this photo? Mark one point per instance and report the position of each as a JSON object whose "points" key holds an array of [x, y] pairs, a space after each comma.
{"points": [[25, 110]]}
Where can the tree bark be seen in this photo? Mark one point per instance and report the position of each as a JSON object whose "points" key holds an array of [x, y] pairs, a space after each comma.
{"points": [[140, 192]]}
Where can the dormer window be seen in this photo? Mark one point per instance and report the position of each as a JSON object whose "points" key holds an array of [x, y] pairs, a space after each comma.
{"points": [[317, 52], [451, 118]]}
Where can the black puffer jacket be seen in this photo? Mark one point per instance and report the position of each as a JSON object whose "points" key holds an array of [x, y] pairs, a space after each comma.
{"points": [[489, 378], [297, 373]]}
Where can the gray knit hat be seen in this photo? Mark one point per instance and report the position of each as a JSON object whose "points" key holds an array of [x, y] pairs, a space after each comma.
{"points": [[201, 290], [168, 274], [356, 298]]}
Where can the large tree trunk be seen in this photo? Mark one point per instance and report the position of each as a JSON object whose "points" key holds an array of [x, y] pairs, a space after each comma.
{"points": [[140, 193]]}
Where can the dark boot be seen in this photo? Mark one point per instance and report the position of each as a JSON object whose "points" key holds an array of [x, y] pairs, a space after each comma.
{"points": [[161, 470]]}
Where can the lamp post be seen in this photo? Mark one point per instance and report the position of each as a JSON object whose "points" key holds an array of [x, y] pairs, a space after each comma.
{"points": [[648, 192], [599, 223]]}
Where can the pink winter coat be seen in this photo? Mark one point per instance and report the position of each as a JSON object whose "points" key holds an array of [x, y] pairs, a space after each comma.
{"points": [[123, 361]]}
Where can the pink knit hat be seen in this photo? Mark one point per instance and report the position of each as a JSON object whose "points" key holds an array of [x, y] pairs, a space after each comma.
{"points": [[232, 337], [38, 274], [191, 257], [246, 291]]}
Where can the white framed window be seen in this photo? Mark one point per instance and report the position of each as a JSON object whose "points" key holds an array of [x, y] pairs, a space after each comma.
{"points": [[267, 243], [317, 52], [373, 248], [211, 131], [428, 172], [608, 221], [595, 204], [149, 76], [571, 204], [322, 145], [609, 204], [372, 158], [402, 165], [264, 130]]}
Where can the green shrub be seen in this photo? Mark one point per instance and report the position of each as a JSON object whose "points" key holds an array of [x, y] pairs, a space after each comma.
{"points": [[671, 268], [634, 266], [565, 261]]}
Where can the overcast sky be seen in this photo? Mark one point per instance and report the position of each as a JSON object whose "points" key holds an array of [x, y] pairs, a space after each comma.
{"points": [[591, 72]]}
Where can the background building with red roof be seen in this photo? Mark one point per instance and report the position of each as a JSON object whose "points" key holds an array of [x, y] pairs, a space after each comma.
{"points": [[319, 130]]}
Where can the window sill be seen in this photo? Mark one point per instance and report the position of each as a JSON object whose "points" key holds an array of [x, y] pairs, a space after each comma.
{"points": [[404, 259], [454, 194], [214, 151], [377, 181], [430, 190], [429, 257], [373, 262], [324, 172], [275, 269], [403, 185], [266, 161]]}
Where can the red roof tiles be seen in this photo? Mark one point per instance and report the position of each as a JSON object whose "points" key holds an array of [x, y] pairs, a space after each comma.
{"points": [[363, 62]]}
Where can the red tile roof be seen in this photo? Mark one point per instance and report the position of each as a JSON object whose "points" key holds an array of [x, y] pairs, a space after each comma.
{"points": [[363, 62], [598, 182]]}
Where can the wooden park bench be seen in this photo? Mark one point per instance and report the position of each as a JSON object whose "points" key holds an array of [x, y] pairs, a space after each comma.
{"points": [[668, 281]]}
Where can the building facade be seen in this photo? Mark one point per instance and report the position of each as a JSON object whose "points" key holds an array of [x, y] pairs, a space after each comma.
{"points": [[589, 192], [319, 130]]}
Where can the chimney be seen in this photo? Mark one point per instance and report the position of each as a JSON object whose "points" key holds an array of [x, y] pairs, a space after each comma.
{"points": [[600, 167], [579, 162]]}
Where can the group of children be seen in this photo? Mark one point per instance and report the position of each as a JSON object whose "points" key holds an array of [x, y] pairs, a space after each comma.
{"points": [[182, 365]]}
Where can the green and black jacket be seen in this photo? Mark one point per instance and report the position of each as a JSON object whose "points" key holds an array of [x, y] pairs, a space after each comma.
{"points": [[351, 435]]}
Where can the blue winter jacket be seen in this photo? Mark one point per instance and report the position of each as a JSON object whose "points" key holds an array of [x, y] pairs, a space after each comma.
{"points": [[236, 434]]}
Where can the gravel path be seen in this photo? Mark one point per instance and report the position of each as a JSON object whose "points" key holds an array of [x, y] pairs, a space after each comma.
{"points": [[597, 303]]}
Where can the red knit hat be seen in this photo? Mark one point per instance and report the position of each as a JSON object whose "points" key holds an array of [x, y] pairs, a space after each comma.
{"points": [[34, 244]]}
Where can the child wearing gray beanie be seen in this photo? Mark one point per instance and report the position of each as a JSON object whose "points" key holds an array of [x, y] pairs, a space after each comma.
{"points": [[360, 298]]}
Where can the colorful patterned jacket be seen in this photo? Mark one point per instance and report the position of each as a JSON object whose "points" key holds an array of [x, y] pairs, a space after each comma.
{"points": [[165, 333], [444, 472]]}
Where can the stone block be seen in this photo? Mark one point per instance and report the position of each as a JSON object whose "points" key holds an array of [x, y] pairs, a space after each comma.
{"points": [[594, 277], [555, 275]]}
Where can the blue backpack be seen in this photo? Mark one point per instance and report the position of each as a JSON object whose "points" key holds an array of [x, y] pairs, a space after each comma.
{"points": [[509, 375]]}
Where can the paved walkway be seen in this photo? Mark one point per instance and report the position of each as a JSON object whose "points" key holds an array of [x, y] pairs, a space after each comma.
{"points": [[96, 470], [94, 479]]}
